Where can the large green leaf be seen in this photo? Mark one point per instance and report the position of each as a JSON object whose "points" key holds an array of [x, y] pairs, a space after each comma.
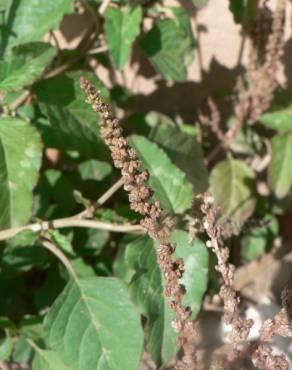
{"points": [[232, 184], [122, 26], [73, 123], [169, 47], [28, 20], [20, 159], [280, 120], [94, 326], [48, 360], [170, 184], [184, 151], [147, 287], [23, 65], [280, 174]]}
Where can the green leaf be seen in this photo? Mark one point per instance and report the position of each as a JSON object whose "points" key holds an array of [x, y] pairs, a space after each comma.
{"points": [[24, 64], [237, 7], [53, 285], [184, 151], [94, 326], [170, 184], [4, 4], [155, 119], [255, 243], [62, 242], [31, 327], [20, 160], [147, 287], [244, 11], [82, 269], [170, 48], [94, 170], [122, 26], [280, 120], [195, 277], [6, 347], [23, 253], [279, 172], [47, 360], [29, 20], [232, 184], [72, 121], [22, 351], [58, 187], [146, 290], [90, 241]]}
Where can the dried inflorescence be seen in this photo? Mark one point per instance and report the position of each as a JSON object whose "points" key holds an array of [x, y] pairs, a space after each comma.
{"points": [[156, 225], [212, 118], [260, 352], [281, 324], [255, 96], [240, 326], [264, 64]]}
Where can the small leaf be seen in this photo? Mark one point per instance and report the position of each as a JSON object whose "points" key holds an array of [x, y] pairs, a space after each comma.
{"points": [[62, 242], [232, 184], [6, 347], [24, 64], [169, 183], [237, 7], [122, 26], [280, 120], [255, 243], [23, 253], [82, 269], [147, 288], [170, 48], [196, 262], [73, 123], [22, 351], [90, 241], [280, 174], [31, 327], [29, 20], [94, 170], [79, 198], [93, 325], [20, 160], [244, 11], [53, 285]]}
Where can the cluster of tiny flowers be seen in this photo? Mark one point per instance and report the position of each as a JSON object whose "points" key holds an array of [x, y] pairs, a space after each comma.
{"points": [[125, 158], [265, 63], [259, 35], [240, 326], [261, 352], [212, 119], [266, 49], [280, 324]]}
